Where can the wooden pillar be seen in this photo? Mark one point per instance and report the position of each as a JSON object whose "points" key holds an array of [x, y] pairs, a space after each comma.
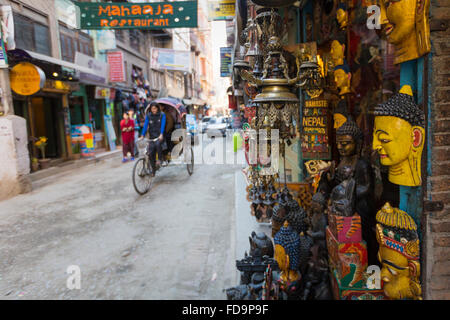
{"points": [[65, 105], [411, 198], [32, 126]]}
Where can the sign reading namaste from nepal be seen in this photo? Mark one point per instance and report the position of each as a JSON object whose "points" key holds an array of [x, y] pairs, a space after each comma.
{"points": [[315, 144], [157, 15]]}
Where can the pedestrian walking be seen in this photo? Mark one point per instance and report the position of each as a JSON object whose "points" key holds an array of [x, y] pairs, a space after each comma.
{"points": [[127, 129], [132, 116]]}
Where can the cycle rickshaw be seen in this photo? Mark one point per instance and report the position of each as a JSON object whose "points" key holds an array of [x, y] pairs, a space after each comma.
{"points": [[142, 170]]}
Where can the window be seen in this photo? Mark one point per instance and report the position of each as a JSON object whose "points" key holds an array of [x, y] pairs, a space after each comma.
{"points": [[31, 35], [120, 35], [135, 40], [73, 41]]}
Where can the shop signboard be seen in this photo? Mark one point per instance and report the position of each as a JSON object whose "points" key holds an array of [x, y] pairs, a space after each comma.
{"points": [[155, 15], [83, 134], [315, 144], [26, 79], [116, 66], [225, 61], [169, 59], [99, 68], [221, 10]]}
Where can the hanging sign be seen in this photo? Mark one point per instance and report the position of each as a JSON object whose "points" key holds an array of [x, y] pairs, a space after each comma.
{"points": [[168, 59], [315, 145], [26, 79], [158, 15], [221, 10], [225, 61]]}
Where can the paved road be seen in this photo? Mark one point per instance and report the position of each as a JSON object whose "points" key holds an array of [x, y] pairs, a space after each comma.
{"points": [[178, 242]]}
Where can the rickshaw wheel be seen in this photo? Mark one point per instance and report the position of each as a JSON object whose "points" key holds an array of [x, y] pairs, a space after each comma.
{"points": [[142, 178], [190, 163]]}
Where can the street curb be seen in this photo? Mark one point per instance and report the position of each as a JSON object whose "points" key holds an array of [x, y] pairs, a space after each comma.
{"points": [[42, 177]]}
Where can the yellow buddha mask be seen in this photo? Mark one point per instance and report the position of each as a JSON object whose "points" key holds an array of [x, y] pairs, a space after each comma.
{"points": [[342, 16], [398, 253], [406, 26], [399, 136], [342, 77], [337, 53]]}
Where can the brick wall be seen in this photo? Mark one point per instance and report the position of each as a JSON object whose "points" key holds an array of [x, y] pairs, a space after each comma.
{"points": [[437, 262]]}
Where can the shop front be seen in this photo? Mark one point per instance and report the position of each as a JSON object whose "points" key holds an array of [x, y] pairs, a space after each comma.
{"points": [[41, 97], [350, 101]]}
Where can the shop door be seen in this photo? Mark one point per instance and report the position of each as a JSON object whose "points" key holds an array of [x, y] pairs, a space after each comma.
{"points": [[46, 124]]}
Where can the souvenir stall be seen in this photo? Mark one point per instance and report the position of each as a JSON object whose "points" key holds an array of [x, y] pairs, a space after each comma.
{"points": [[350, 90]]}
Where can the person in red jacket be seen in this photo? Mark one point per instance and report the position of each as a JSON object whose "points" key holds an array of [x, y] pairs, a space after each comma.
{"points": [[127, 129]]}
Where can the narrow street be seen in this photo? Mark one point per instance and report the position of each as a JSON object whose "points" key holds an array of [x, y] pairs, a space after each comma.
{"points": [[177, 242]]}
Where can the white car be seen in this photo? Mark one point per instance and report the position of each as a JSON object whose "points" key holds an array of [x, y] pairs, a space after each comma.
{"points": [[217, 126], [204, 124]]}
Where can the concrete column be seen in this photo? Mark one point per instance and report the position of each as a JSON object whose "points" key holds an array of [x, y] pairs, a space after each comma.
{"points": [[14, 156], [6, 105]]}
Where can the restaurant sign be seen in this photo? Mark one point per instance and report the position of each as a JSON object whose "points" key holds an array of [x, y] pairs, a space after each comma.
{"points": [[157, 15]]}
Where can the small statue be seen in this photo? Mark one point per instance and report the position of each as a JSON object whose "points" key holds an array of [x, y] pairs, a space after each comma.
{"points": [[343, 195], [349, 139], [318, 220], [407, 27], [342, 16], [260, 245], [287, 254], [342, 77], [316, 284], [399, 254], [399, 137]]}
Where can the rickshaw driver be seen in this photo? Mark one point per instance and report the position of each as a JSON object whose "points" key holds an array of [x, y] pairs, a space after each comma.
{"points": [[155, 123]]}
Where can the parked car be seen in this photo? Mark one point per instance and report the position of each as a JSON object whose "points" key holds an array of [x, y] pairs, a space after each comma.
{"points": [[204, 124], [217, 125]]}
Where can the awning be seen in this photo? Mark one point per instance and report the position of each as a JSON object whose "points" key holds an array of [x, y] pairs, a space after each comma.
{"points": [[59, 62], [193, 101]]}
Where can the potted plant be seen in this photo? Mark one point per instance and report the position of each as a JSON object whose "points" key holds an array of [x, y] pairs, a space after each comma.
{"points": [[34, 164], [76, 151], [41, 144]]}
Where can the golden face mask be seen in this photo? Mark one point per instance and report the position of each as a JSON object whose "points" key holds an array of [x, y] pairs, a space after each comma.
{"points": [[398, 142], [406, 26], [342, 18], [342, 80], [337, 53], [399, 250]]}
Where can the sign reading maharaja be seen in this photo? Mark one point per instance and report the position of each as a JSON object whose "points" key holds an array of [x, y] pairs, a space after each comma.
{"points": [[157, 15]]}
